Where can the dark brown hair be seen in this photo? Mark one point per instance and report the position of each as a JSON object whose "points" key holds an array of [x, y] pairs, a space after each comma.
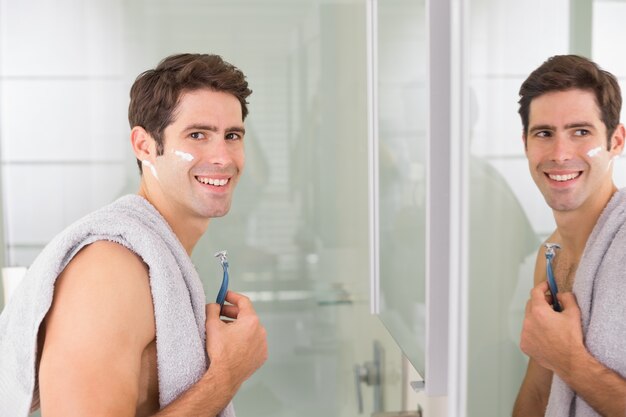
{"points": [[155, 93], [566, 72]]}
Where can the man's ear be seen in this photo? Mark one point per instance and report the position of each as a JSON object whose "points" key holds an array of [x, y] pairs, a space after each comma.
{"points": [[143, 144], [524, 141], [617, 140]]}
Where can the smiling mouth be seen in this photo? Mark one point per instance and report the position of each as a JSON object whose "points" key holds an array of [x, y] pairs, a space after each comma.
{"points": [[566, 177], [213, 181]]}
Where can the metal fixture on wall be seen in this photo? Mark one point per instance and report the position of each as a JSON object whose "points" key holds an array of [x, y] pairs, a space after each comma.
{"points": [[371, 374]]}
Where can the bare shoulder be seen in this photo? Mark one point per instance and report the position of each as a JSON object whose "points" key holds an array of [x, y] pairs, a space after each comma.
{"points": [[105, 278], [100, 322]]}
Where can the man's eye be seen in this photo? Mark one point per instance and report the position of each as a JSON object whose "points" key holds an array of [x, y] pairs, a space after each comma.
{"points": [[581, 132], [233, 136], [196, 135], [543, 134]]}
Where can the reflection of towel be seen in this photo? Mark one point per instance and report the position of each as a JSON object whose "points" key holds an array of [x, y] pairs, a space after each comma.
{"points": [[177, 295], [600, 289]]}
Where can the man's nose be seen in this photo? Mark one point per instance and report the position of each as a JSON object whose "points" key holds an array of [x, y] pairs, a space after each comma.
{"points": [[219, 152], [561, 148]]}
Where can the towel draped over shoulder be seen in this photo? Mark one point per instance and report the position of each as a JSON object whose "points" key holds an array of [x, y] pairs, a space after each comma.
{"points": [[177, 294], [600, 289]]}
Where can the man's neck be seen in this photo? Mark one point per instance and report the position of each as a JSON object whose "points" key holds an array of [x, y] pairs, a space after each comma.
{"points": [[574, 227], [187, 228]]}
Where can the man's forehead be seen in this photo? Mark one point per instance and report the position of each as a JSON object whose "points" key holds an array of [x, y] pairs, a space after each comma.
{"points": [[572, 104], [199, 98]]}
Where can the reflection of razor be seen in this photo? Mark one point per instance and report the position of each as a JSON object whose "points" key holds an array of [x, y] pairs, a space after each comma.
{"points": [[221, 296], [550, 254]]}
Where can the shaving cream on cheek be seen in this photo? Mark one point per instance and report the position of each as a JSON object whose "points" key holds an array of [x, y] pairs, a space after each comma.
{"points": [[594, 152], [187, 157], [152, 168]]}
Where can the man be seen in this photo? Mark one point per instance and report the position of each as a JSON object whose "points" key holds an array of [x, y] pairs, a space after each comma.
{"points": [[126, 332], [570, 114]]}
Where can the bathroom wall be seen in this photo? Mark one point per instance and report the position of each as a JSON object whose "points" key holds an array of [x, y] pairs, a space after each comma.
{"points": [[63, 132]]}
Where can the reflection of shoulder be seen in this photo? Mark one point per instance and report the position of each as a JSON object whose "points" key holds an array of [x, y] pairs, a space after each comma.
{"points": [[540, 265]]}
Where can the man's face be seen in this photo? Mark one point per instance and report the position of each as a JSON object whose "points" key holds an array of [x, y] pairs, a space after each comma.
{"points": [[203, 154], [566, 147]]}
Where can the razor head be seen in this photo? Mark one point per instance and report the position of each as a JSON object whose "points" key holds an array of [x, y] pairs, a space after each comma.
{"points": [[551, 248], [221, 296], [222, 255]]}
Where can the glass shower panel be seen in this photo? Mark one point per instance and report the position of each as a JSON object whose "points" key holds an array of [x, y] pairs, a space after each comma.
{"points": [[402, 117], [297, 234], [508, 217]]}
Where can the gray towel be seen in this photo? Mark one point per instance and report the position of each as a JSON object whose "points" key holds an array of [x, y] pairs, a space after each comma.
{"points": [[600, 289], [177, 294]]}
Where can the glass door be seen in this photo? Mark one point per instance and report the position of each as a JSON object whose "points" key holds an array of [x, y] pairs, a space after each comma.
{"points": [[401, 115]]}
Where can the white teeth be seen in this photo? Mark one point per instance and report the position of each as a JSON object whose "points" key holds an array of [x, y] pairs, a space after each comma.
{"points": [[564, 177], [211, 181]]}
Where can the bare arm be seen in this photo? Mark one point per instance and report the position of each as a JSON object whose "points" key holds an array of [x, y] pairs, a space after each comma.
{"points": [[555, 341], [603, 389], [532, 398], [102, 320]]}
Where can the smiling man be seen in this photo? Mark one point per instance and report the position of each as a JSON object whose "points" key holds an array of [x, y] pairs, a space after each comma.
{"points": [[570, 114], [111, 319]]}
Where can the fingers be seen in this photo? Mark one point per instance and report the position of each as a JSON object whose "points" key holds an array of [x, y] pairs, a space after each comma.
{"points": [[230, 311], [242, 302], [213, 311], [539, 291], [568, 300], [238, 302], [540, 295]]}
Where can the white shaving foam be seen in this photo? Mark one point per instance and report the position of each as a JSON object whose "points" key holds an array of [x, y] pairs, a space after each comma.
{"points": [[184, 155], [152, 168], [595, 151]]}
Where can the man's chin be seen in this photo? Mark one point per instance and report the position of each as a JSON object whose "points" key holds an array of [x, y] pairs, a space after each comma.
{"points": [[562, 205], [216, 213]]}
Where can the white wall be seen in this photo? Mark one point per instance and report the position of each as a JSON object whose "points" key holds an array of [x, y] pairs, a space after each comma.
{"points": [[62, 124]]}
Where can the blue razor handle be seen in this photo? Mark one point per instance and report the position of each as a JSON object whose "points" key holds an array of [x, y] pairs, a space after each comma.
{"points": [[551, 281], [221, 295]]}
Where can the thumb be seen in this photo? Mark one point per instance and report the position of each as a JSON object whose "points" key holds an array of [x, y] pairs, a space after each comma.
{"points": [[213, 311]]}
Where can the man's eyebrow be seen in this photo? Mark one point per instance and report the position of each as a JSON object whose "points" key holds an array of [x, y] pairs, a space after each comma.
{"points": [[573, 125], [238, 129], [199, 126], [212, 128], [579, 124], [541, 127]]}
